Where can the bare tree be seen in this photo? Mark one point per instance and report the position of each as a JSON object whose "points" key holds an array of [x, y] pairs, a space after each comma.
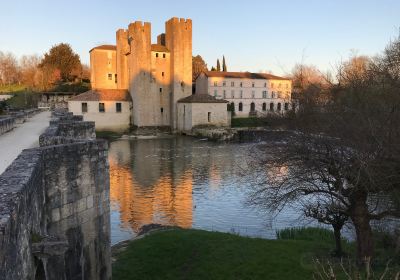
{"points": [[9, 72], [345, 157]]}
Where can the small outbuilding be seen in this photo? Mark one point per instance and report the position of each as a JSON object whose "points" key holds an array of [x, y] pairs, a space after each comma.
{"points": [[202, 110], [110, 109]]}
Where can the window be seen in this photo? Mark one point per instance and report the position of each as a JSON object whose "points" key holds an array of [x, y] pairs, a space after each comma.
{"points": [[271, 106], [273, 95], [272, 85], [224, 94], [162, 110], [252, 84], [253, 94], [215, 84], [118, 107], [264, 94], [265, 84], [232, 84], [115, 78], [109, 76], [252, 107], [241, 84], [233, 93], [264, 106], [241, 94], [286, 106], [287, 86], [156, 54], [279, 94], [215, 93], [84, 107], [163, 55], [160, 89], [101, 108], [162, 74], [279, 107], [209, 116], [184, 110], [223, 84], [240, 106]]}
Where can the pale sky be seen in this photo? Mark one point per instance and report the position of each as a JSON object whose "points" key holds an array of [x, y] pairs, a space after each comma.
{"points": [[253, 35]]}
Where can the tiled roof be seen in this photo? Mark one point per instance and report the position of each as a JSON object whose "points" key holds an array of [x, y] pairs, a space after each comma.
{"points": [[103, 95], [105, 47], [201, 98], [243, 75], [159, 48]]}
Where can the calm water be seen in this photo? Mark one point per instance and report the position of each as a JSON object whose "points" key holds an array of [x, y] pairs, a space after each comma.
{"points": [[186, 182]]}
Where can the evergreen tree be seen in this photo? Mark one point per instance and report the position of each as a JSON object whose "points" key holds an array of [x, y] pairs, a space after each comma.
{"points": [[218, 65], [223, 64], [213, 69]]}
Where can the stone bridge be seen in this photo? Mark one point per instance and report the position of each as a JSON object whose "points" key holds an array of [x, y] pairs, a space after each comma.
{"points": [[54, 206]]}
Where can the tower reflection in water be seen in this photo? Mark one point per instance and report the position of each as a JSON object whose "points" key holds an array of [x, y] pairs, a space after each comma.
{"points": [[148, 186]]}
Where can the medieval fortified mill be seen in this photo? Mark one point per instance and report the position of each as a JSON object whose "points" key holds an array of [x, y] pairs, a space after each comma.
{"points": [[156, 75]]}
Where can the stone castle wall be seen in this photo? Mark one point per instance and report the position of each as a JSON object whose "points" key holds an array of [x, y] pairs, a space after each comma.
{"points": [[54, 207]]}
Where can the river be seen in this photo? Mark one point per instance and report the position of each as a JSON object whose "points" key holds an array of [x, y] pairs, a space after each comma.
{"points": [[190, 183]]}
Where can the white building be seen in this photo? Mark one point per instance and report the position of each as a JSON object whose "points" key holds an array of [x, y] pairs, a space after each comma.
{"points": [[202, 110], [251, 94], [110, 109]]}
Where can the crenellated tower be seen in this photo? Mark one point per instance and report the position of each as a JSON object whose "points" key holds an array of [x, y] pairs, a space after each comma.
{"points": [[122, 49], [178, 39]]}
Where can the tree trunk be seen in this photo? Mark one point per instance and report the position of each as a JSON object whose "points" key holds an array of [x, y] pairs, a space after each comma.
{"points": [[359, 214], [338, 241]]}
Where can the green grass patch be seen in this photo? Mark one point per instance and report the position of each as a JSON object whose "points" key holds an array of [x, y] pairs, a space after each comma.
{"points": [[306, 233], [23, 100], [12, 88], [248, 122], [196, 254]]}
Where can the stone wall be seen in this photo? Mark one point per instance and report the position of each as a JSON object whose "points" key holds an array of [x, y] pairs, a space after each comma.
{"points": [[10, 121], [6, 124], [54, 206]]}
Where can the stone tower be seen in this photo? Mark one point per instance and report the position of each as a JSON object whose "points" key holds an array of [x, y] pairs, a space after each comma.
{"points": [[140, 74], [122, 49], [178, 39]]}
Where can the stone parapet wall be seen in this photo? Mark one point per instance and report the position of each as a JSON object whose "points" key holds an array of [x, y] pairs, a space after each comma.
{"points": [[10, 121], [54, 207], [6, 124]]}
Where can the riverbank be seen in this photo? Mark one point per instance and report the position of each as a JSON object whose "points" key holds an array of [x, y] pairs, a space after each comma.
{"points": [[197, 254]]}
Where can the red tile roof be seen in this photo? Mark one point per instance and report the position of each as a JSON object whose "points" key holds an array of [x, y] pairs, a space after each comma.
{"points": [[103, 95], [243, 75], [201, 98], [105, 47]]}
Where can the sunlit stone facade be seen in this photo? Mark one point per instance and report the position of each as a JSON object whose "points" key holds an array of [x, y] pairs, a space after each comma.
{"points": [[251, 94]]}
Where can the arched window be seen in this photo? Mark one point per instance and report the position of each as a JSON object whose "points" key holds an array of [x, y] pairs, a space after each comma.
{"points": [[252, 107], [286, 106], [279, 107], [264, 106], [271, 106], [240, 106]]}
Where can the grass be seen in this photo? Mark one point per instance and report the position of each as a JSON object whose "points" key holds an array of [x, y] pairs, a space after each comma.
{"points": [[23, 100], [306, 233], [12, 88], [196, 254]]}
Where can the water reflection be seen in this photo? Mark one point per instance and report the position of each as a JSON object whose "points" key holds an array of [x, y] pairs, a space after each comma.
{"points": [[185, 182]]}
